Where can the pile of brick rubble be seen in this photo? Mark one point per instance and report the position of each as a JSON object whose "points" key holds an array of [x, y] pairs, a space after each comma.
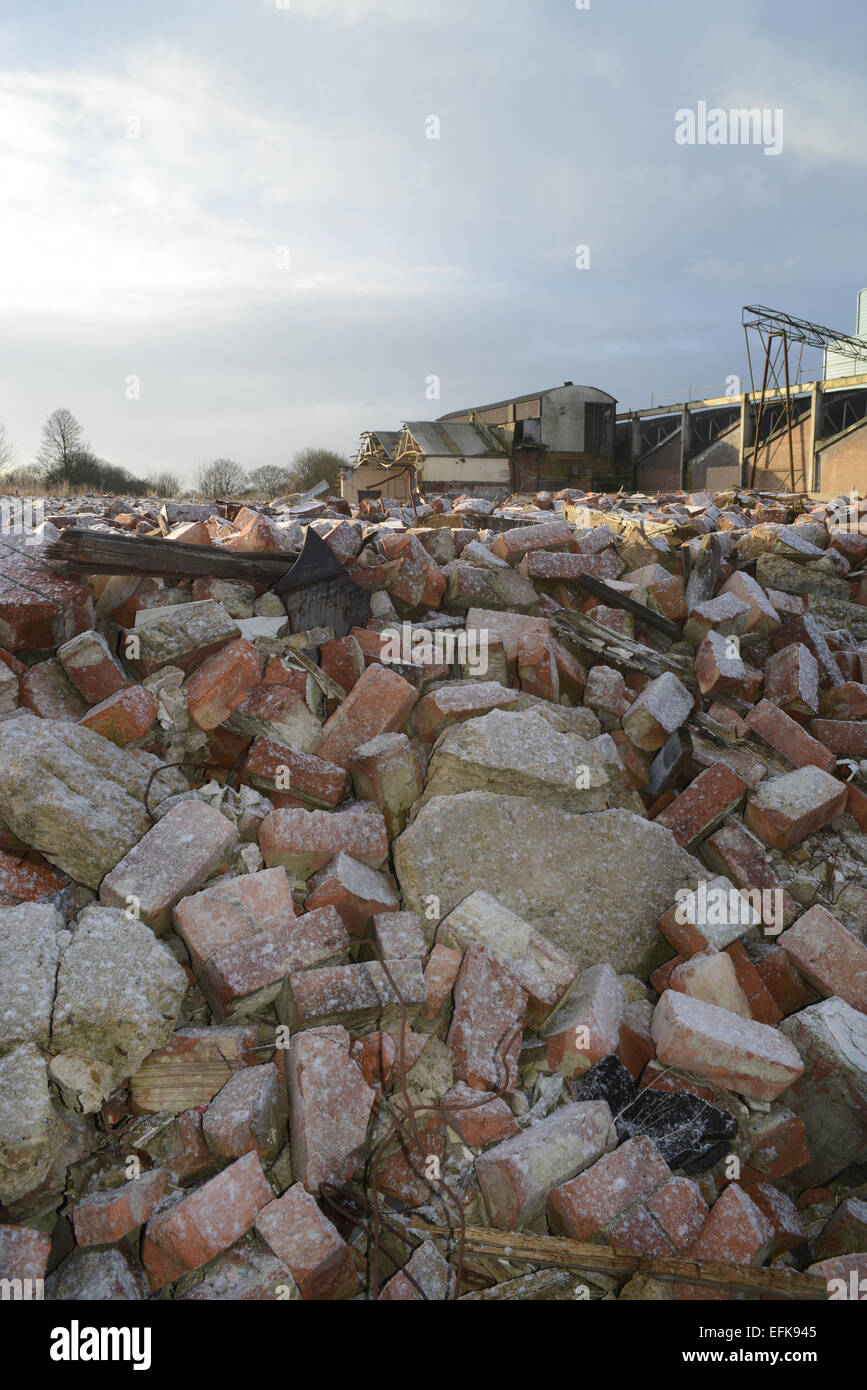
{"points": [[512, 909]]}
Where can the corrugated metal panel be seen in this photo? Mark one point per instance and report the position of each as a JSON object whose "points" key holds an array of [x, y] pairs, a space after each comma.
{"points": [[458, 440]]}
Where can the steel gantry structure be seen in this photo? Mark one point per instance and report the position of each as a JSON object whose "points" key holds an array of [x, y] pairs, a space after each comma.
{"points": [[778, 333]]}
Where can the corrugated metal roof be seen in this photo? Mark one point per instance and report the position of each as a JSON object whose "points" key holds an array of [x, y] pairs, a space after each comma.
{"points": [[435, 439], [517, 400], [387, 439]]}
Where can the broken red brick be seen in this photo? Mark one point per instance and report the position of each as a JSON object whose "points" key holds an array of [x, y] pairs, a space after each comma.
{"points": [[488, 1023], [172, 860], [305, 841], [209, 1220], [830, 957], [784, 810], [583, 1207], [356, 891], [325, 1139], [123, 717], [518, 1175], [751, 1058], [90, 665], [244, 976], [379, 703], [274, 767], [222, 682], [309, 1245], [792, 680], [714, 794], [105, 1217]]}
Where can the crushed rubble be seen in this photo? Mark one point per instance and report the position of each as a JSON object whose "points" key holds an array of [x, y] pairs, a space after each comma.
{"points": [[386, 959]]}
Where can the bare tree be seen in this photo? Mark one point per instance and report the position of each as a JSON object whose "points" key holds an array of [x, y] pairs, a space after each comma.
{"points": [[311, 466], [61, 442], [269, 480], [221, 478], [164, 484], [7, 452]]}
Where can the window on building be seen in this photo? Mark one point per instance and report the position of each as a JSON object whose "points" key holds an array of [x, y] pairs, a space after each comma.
{"points": [[597, 417]]}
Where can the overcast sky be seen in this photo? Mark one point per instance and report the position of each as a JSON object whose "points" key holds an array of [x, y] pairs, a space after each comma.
{"points": [[226, 231]]}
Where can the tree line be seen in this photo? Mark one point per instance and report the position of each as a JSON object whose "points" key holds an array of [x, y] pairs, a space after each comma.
{"points": [[66, 463]]}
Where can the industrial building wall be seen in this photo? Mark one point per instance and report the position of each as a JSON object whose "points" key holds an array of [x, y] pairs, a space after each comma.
{"points": [[368, 478], [843, 465], [487, 471]]}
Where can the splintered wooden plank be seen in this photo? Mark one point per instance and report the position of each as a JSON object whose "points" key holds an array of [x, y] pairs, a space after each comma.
{"points": [[557, 1252]]}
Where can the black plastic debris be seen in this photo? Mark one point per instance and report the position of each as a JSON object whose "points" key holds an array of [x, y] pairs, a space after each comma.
{"points": [[691, 1134]]}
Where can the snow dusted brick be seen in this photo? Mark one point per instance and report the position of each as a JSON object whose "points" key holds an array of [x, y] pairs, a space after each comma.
{"points": [[399, 935], [661, 708], [710, 918], [781, 1212], [537, 666], [385, 771], [183, 635], [379, 703], [124, 717], [488, 1023], [105, 1217], [714, 794], [719, 669], [45, 689], [309, 1245], [222, 683], [245, 1273], [24, 1252], [829, 956], [583, 1207], [90, 665], [233, 911], [784, 810], [736, 1232], [170, 861], [248, 1115], [325, 1138], [355, 994], [786, 736], [273, 767], [586, 1027], [244, 977], [452, 705], [547, 535], [679, 1208], [792, 680], [305, 841], [518, 1175], [763, 616], [748, 1057], [192, 1231], [426, 1276], [440, 975], [540, 967], [355, 890], [508, 627], [478, 1117]]}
